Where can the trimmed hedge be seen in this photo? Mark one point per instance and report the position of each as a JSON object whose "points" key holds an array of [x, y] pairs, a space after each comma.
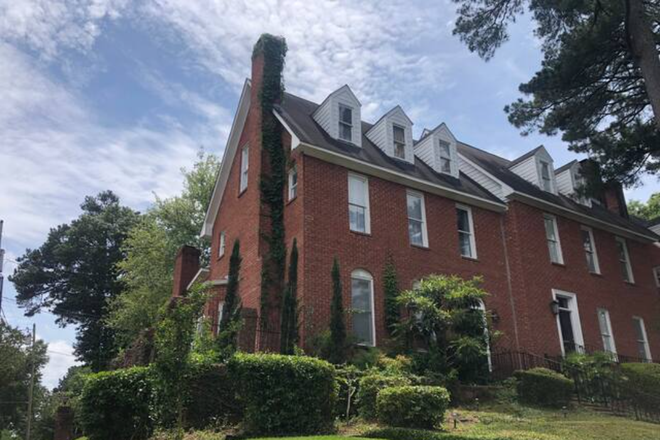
{"points": [[412, 406], [115, 405], [369, 387], [422, 434], [643, 384], [211, 397], [543, 387], [284, 395]]}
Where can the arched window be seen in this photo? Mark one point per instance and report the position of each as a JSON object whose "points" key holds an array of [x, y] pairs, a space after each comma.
{"points": [[362, 307], [482, 307]]}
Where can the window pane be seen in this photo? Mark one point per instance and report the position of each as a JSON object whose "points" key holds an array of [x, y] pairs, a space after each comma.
{"points": [[586, 241], [463, 220], [400, 151], [444, 149], [346, 115], [624, 271], [554, 252], [550, 229], [357, 191], [414, 207], [591, 263], [399, 134], [545, 170], [415, 232], [445, 165], [357, 218], [464, 244], [362, 309], [345, 132]]}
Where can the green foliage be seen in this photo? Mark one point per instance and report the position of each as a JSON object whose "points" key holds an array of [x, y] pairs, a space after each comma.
{"points": [[115, 405], [423, 434], [211, 396], [74, 274], [649, 210], [370, 385], [391, 291], [543, 387], [284, 394], [337, 349], [412, 406], [348, 381], [230, 321], [642, 382], [289, 327], [445, 317]]}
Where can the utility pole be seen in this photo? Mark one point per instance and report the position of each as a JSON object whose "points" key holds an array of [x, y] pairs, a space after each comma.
{"points": [[2, 260], [31, 392]]}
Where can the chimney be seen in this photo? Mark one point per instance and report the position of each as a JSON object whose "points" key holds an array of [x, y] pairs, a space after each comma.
{"points": [[186, 267], [614, 199]]}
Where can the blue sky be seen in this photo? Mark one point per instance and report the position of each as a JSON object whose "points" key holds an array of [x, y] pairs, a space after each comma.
{"points": [[115, 94]]}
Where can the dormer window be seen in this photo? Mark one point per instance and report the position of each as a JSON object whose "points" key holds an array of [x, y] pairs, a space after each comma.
{"points": [[437, 148], [546, 180], [345, 123], [445, 156], [399, 135]]}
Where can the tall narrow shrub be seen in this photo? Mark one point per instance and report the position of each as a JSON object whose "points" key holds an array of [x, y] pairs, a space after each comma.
{"points": [[230, 321], [289, 326], [391, 291], [337, 351]]}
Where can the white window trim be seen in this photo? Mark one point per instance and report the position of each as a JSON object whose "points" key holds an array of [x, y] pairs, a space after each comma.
{"points": [[449, 156], [367, 208], [482, 307], [222, 244], [608, 322], [340, 122], [593, 249], [575, 320], [628, 262], [555, 225], [292, 187], [394, 142], [550, 173], [473, 239], [245, 166], [647, 347], [656, 275], [425, 237], [362, 274]]}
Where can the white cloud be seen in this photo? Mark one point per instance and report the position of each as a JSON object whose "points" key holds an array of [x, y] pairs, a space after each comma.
{"points": [[60, 359]]}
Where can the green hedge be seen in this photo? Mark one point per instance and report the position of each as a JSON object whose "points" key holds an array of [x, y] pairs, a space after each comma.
{"points": [[211, 397], [643, 383], [115, 405], [540, 386], [422, 434], [369, 387], [292, 395], [412, 406]]}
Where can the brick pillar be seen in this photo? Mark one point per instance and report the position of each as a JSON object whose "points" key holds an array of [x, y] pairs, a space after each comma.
{"points": [[185, 267], [63, 423]]}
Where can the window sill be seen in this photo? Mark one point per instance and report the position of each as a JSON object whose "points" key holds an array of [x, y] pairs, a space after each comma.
{"points": [[596, 274], [558, 264], [291, 201], [419, 246], [220, 257], [630, 283], [240, 193], [362, 234], [476, 260]]}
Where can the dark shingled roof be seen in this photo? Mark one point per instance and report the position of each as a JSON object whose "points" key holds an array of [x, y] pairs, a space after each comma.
{"points": [[525, 156]]}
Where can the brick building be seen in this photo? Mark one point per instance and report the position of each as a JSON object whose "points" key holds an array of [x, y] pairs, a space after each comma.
{"points": [[564, 272]]}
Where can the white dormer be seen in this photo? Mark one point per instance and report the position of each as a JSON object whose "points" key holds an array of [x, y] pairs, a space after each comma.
{"points": [[393, 134], [438, 150], [569, 180], [339, 115], [536, 167]]}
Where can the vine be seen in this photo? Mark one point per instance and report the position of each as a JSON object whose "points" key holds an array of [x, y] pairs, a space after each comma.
{"points": [[273, 49]]}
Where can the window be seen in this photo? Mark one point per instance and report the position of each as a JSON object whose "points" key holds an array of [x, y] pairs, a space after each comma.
{"points": [[244, 169], [416, 219], [221, 244], [590, 249], [482, 308], [552, 236], [345, 123], [568, 322], [546, 179], [445, 156], [358, 203], [293, 183], [624, 260], [399, 134], [466, 241], [656, 275], [605, 326], [642, 342], [362, 307], [221, 308]]}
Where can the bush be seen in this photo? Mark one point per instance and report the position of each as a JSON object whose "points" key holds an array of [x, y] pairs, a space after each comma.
{"points": [[422, 434], [211, 397], [284, 394], [643, 383], [115, 405], [540, 386], [412, 406], [369, 387], [348, 382]]}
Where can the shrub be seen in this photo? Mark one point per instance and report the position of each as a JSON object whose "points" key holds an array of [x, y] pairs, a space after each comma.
{"points": [[211, 396], [643, 383], [369, 387], [422, 434], [348, 383], [412, 406], [284, 394], [115, 405], [540, 386]]}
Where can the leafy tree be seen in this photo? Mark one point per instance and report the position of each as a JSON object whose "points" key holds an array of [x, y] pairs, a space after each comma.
{"points": [[74, 274], [337, 348], [151, 248], [289, 327], [445, 317], [230, 321], [391, 291], [599, 83], [649, 210]]}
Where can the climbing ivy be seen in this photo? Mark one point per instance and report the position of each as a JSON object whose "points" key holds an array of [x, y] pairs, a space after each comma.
{"points": [[391, 291]]}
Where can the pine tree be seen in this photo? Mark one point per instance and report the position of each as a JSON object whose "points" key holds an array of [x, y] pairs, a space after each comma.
{"points": [[391, 290], [337, 351], [230, 321], [289, 325]]}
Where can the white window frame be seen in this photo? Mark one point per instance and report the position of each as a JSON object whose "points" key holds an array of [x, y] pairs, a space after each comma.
{"points": [[631, 277], [482, 307], [441, 143], [221, 307], [647, 347], [425, 237], [555, 226], [245, 165], [222, 244], [472, 232], [395, 143], [361, 274], [293, 188], [575, 320], [545, 164], [367, 209], [593, 252], [656, 275], [341, 123], [610, 333]]}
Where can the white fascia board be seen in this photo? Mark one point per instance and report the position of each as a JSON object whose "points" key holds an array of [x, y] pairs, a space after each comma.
{"points": [[202, 272], [295, 141], [227, 160], [506, 189]]}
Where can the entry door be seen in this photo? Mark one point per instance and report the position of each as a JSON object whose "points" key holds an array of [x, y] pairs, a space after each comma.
{"points": [[566, 325]]}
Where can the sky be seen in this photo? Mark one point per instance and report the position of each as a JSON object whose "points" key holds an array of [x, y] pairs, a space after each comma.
{"points": [[118, 94]]}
